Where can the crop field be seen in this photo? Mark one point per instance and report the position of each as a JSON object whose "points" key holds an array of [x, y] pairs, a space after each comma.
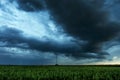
{"points": [[60, 72]]}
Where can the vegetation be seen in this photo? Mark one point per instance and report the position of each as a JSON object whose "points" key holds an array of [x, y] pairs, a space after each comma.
{"points": [[59, 73]]}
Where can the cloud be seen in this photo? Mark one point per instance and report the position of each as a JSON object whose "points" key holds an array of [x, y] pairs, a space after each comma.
{"points": [[84, 21], [87, 24], [7, 59], [30, 5], [11, 37]]}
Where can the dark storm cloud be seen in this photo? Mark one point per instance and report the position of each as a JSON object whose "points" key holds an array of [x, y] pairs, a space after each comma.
{"points": [[79, 18], [13, 38], [30, 5], [84, 21]]}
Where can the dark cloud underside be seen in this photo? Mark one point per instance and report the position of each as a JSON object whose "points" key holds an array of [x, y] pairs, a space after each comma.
{"points": [[30, 5], [83, 21], [13, 38]]}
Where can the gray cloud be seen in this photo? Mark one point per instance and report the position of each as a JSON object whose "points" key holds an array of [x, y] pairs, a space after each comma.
{"points": [[79, 19], [30, 5], [14, 38], [7, 59], [84, 21]]}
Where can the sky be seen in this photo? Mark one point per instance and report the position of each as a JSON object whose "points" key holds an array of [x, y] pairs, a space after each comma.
{"points": [[33, 32]]}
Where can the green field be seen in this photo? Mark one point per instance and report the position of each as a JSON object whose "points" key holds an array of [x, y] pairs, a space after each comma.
{"points": [[59, 72]]}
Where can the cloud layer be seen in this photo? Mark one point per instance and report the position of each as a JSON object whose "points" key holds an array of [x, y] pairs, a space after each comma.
{"points": [[84, 21], [77, 29], [30, 5]]}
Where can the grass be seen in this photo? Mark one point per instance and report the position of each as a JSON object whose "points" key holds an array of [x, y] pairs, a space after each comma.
{"points": [[60, 72]]}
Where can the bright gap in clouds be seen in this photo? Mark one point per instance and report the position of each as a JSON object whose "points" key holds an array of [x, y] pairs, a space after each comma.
{"points": [[33, 24]]}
